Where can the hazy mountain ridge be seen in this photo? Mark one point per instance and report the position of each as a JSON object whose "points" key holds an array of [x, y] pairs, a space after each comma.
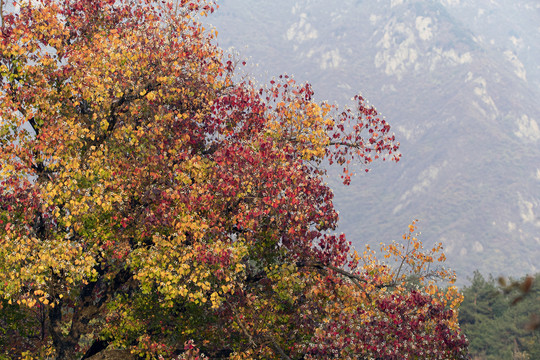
{"points": [[458, 82]]}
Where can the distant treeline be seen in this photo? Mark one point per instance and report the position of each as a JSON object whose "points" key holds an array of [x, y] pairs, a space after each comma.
{"points": [[500, 318]]}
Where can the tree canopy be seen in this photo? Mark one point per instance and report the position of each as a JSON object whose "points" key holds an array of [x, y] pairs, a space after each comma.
{"points": [[502, 323], [152, 201]]}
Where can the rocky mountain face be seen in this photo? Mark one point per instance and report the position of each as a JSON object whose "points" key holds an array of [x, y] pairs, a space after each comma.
{"points": [[459, 81]]}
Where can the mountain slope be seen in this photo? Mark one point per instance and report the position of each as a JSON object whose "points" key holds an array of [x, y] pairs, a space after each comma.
{"points": [[459, 82]]}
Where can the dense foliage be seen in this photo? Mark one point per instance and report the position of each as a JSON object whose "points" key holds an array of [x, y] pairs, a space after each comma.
{"points": [[151, 201], [501, 325]]}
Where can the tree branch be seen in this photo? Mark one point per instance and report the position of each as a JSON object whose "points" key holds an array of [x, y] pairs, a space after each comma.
{"points": [[356, 279], [242, 326], [278, 348]]}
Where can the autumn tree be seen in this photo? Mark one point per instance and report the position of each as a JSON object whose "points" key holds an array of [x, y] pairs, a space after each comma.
{"points": [[151, 201]]}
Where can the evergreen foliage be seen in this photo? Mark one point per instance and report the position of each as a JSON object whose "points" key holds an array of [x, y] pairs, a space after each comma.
{"points": [[496, 324]]}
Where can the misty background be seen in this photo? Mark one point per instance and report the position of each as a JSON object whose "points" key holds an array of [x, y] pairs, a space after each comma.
{"points": [[458, 81]]}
